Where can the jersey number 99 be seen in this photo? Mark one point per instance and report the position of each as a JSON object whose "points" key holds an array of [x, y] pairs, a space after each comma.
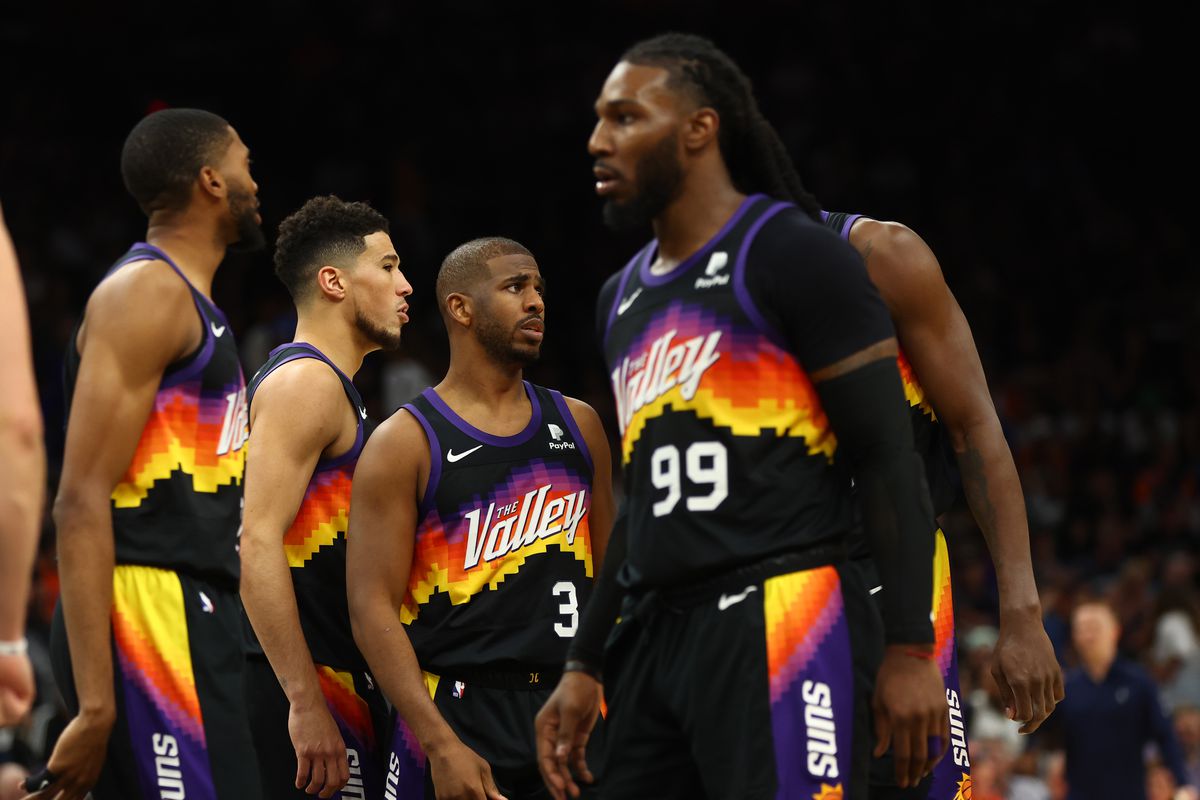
{"points": [[707, 464]]}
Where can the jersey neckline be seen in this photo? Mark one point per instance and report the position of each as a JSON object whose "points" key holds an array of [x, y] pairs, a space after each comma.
{"points": [[535, 420], [650, 279]]}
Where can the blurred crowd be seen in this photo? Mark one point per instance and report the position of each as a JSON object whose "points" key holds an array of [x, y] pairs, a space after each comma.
{"points": [[1070, 269]]}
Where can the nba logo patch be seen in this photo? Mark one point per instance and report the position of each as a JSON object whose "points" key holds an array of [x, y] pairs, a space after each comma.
{"points": [[459, 688]]}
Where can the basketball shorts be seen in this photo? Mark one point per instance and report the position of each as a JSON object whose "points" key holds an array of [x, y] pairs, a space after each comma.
{"points": [[181, 727], [741, 689], [951, 778], [357, 706]]}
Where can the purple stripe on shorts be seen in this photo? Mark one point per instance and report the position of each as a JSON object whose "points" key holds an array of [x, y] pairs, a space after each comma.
{"points": [[955, 766], [535, 420], [170, 762], [812, 716], [406, 765]]}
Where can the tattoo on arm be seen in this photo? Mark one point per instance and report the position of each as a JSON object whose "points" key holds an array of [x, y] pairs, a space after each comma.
{"points": [[975, 484], [866, 252]]}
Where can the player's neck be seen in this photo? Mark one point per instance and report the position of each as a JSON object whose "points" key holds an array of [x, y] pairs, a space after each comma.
{"points": [[702, 208], [345, 348], [488, 395], [194, 247]]}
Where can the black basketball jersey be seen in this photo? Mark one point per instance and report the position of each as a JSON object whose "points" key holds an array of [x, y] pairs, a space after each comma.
{"points": [[503, 556], [728, 455], [179, 503], [315, 543], [930, 437]]}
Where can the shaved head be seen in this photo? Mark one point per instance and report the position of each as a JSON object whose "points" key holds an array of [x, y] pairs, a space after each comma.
{"points": [[467, 264]]}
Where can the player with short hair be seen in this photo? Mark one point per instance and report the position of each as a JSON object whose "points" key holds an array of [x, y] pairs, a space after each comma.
{"points": [[320, 724], [149, 503], [479, 512]]}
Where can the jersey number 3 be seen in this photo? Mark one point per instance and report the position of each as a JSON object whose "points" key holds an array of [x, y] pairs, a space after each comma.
{"points": [[570, 607], [707, 465]]}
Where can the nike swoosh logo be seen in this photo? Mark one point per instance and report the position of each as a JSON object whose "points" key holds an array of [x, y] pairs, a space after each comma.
{"points": [[452, 456], [362, 412], [217, 329], [627, 302], [728, 600]]}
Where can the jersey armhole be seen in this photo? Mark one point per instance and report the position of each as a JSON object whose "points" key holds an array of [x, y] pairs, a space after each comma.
{"points": [[435, 461], [741, 290], [563, 409], [628, 271]]}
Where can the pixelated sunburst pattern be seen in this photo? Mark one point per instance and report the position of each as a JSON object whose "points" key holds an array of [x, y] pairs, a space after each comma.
{"points": [[440, 553], [943, 606], [182, 434], [346, 706], [800, 609], [913, 391], [754, 387], [323, 515]]}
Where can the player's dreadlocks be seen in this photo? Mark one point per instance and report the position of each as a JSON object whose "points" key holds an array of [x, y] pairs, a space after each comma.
{"points": [[753, 152]]}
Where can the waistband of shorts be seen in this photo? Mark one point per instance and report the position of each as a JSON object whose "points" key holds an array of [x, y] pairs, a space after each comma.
{"points": [[690, 595], [529, 677]]}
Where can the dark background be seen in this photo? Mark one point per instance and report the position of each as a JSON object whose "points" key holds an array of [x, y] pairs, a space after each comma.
{"points": [[1040, 152]]}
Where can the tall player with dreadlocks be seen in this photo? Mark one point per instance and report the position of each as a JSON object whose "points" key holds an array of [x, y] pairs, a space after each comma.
{"points": [[754, 367]]}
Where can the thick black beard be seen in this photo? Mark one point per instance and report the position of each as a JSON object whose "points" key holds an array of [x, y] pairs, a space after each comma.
{"points": [[659, 176], [498, 344], [380, 336], [250, 234]]}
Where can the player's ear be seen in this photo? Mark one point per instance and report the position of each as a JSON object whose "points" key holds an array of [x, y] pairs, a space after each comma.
{"points": [[458, 308], [701, 128], [331, 283], [211, 182]]}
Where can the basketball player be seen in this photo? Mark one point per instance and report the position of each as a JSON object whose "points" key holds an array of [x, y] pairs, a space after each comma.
{"points": [[307, 427], [949, 399], [149, 504], [754, 369], [479, 511], [22, 485]]}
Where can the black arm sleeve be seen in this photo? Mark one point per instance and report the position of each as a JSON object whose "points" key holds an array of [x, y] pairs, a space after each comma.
{"points": [[605, 603], [812, 287], [867, 411]]}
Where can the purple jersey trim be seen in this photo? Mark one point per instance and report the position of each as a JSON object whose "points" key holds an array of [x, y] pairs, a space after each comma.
{"points": [[196, 366], [658, 280], [824, 216], [312, 352], [535, 420], [739, 280], [435, 461], [561, 403], [626, 272], [848, 224]]}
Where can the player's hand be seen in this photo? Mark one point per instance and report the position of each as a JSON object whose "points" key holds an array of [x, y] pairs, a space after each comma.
{"points": [[321, 764], [459, 773], [562, 729], [77, 759], [1026, 671], [16, 688], [911, 715]]}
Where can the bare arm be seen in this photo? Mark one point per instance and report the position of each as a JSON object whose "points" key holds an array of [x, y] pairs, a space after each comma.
{"points": [[22, 481], [600, 517], [939, 344], [388, 481], [123, 358], [298, 412], [22, 455]]}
